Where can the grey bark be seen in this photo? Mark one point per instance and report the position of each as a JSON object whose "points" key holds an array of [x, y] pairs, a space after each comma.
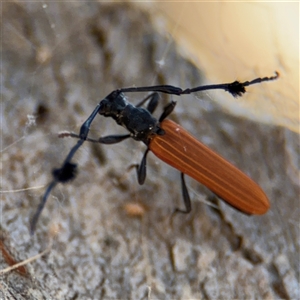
{"points": [[58, 62]]}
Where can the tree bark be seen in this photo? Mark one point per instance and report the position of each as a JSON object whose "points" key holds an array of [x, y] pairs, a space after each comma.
{"points": [[58, 61]]}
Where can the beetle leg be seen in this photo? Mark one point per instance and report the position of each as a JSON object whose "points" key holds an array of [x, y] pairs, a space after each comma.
{"points": [[167, 110], [153, 102], [112, 139], [141, 169], [185, 196]]}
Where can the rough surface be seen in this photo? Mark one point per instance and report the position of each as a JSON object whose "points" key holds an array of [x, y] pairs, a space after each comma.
{"points": [[58, 61]]}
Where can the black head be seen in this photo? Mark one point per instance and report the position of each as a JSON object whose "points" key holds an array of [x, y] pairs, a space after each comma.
{"points": [[113, 104]]}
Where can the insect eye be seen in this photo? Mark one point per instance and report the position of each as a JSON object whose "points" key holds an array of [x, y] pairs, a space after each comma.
{"points": [[104, 106]]}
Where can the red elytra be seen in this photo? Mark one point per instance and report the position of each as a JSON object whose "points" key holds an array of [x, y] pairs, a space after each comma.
{"points": [[179, 149]]}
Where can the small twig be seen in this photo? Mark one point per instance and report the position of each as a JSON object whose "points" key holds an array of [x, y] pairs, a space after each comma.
{"points": [[26, 261]]}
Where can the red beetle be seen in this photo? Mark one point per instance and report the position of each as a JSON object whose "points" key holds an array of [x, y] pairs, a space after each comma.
{"points": [[172, 144]]}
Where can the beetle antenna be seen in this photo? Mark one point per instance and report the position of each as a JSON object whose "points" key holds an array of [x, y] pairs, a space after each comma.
{"points": [[236, 88], [40, 207]]}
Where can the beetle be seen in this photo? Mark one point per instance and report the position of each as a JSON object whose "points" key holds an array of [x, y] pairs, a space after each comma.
{"points": [[169, 142]]}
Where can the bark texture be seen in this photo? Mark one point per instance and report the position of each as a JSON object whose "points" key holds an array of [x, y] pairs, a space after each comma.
{"points": [[58, 61]]}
